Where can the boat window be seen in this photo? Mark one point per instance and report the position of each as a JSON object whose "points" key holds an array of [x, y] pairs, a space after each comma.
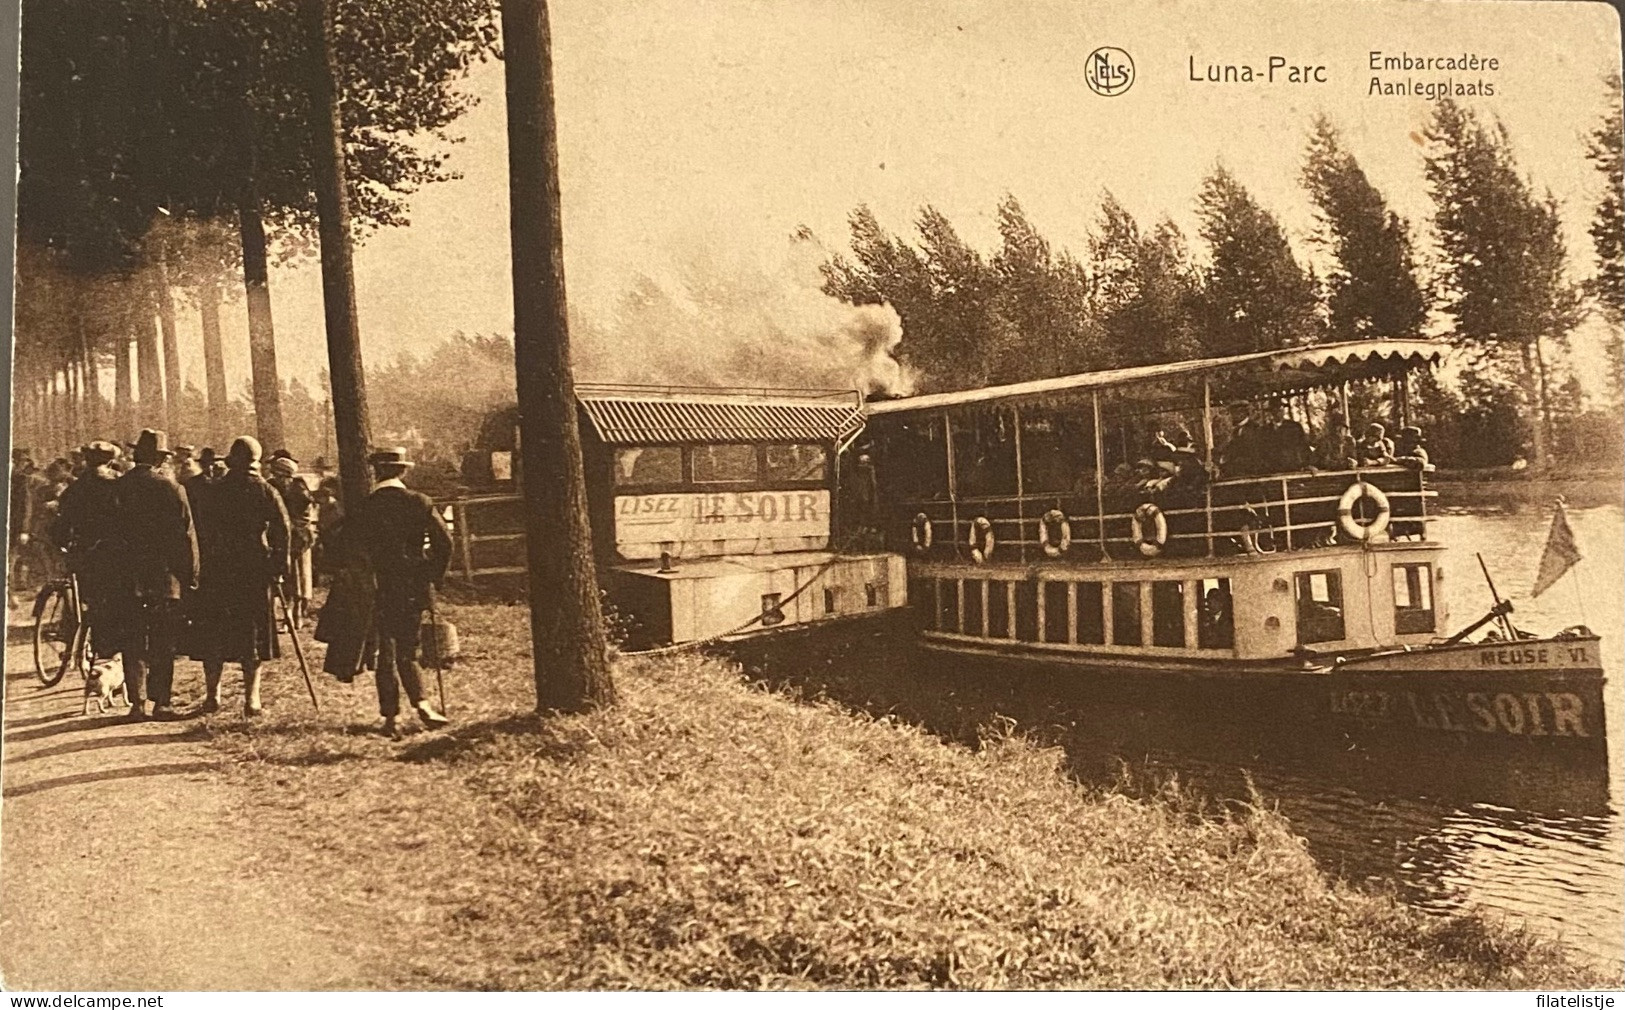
{"points": [[1216, 627], [947, 604], [1056, 623], [1413, 599], [1091, 621], [648, 465], [1027, 611], [998, 609], [806, 462], [1126, 613], [1320, 607], [725, 464], [974, 590], [1168, 614]]}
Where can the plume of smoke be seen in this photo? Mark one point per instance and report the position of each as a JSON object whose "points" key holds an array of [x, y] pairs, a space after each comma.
{"points": [[721, 318]]}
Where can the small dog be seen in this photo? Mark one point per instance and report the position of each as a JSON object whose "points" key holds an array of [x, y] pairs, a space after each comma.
{"points": [[105, 682]]}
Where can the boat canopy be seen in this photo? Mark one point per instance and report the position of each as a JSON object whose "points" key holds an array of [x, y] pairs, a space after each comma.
{"points": [[1240, 377], [671, 415]]}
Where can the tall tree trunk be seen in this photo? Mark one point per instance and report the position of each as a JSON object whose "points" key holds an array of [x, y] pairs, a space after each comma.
{"points": [[1545, 396], [214, 361], [92, 376], [123, 412], [347, 376], [148, 372], [261, 333], [172, 351], [71, 387], [1535, 417], [569, 648]]}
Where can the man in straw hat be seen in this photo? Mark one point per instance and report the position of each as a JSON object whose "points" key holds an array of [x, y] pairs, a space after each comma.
{"points": [[243, 533], [409, 547], [159, 554]]}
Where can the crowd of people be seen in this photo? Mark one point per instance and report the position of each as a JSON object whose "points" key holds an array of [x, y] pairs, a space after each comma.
{"points": [[185, 554], [1268, 442]]}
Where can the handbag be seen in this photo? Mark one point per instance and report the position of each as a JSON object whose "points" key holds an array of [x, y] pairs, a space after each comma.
{"points": [[439, 640]]}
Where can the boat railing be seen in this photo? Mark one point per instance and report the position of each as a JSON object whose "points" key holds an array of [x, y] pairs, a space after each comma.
{"points": [[1250, 515]]}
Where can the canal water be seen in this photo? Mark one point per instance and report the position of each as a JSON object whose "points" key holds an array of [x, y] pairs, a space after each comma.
{"points": [[1521, 834]]}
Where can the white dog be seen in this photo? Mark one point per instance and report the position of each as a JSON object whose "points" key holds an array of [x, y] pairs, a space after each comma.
{"points": [[105, 681]]}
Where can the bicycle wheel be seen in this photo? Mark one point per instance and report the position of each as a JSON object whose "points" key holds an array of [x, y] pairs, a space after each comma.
{"points": [[56, 632]]}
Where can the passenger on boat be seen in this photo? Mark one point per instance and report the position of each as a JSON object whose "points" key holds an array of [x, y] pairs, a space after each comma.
{"points": [[1243, 456], [1286, 444], [1217, 629], [1375, 449], [1409, 449]]}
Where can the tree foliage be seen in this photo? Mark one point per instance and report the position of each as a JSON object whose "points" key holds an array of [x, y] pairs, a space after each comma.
{"points": [[136, 113], [1607, 287], [1502, 263], [1255, 295], [1146, 291], [1372, 291]]}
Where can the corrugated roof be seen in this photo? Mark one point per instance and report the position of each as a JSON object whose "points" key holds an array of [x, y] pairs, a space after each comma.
{"points": [[1351, 359], [665, 420]]}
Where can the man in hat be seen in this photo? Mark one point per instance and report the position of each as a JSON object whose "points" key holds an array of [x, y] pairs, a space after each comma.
{"points": [[301, 506], [184, 465], [86, 527], [243, 535], [159, 555], [409, 547], [205, 475]]}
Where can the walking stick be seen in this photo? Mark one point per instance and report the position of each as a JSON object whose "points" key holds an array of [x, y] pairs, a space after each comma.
{"points": [[298, 650], [439, 650]]}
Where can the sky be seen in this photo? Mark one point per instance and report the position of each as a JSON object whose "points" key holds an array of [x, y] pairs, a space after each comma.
{"points": [[690, 125]]}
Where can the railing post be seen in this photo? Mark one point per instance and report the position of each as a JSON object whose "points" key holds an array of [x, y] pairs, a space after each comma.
{"points": [[1286, 511], [1021, 490], [1207, 512], [464, 546], [1422, 504], [1100, 476]]}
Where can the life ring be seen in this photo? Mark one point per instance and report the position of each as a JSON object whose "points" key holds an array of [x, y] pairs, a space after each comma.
{"points": [[1059, 544], [981, 540], [1150, 529], [920, 530], [1345, 511]]}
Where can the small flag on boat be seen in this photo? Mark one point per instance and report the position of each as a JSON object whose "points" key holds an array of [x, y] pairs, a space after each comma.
{"points": [[1560, 554]]}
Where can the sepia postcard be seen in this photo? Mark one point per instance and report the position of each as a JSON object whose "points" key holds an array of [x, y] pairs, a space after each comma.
{"points": [[847, 496]]}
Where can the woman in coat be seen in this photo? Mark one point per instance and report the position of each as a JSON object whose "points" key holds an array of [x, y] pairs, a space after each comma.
{"points": [[243, 538]]}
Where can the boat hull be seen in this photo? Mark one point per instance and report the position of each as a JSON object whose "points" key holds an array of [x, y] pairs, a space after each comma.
{"points": [[1539, 693]]}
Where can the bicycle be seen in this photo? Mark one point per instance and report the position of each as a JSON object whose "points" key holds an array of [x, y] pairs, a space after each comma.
{"points": [[61, 633]]}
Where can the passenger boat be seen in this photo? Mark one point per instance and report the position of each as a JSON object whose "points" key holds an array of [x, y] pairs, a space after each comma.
{"points": [[1033, 536]]}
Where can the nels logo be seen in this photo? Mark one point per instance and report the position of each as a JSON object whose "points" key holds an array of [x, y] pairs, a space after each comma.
{"points": [[1109, 71]]}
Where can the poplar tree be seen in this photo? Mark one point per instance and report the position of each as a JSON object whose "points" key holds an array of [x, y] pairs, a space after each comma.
{"points": [[1371, 290], [1502, 276], [1607, 288], [1146, 292], [1255, 295]]}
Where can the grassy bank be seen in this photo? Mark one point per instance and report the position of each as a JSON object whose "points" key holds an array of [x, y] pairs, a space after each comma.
{"points": [[710, 833]]}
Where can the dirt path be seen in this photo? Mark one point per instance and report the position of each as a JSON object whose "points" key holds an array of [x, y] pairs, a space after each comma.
{"points": [[126, 862]]}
